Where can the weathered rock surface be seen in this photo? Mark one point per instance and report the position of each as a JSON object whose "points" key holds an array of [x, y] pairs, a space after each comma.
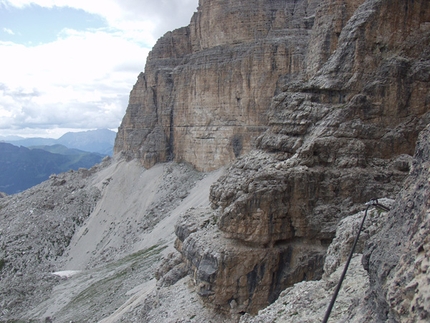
{"points": [[329, 132], [206, 88], [306, 302], [398, 257], [339, 134], [341, 130], [394, 287], [351, 82], [235, 277], [36, 228], [346, 232]]}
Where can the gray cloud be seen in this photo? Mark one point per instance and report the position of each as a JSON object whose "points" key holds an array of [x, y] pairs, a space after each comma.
{"points": [[168, 14], [70, 114], [19, 93]]}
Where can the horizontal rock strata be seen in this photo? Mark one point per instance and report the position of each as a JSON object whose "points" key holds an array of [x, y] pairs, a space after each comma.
{"points": [[394, 286], [206, 88], [339, 134], [235, 277]]}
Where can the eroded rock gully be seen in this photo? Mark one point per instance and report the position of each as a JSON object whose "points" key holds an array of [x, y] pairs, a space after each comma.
{"points": [[339, 133]]}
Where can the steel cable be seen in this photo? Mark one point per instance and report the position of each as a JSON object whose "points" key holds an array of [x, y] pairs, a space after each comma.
{"points": [[375, 203]]}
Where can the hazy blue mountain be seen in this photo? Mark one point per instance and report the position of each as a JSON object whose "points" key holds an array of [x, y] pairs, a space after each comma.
{"points": [[59, 149], [98, 141], [28, 142], [10, 138], [22, 167]]}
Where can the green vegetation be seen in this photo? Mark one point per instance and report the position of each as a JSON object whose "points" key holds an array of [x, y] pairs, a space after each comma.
{"points": [[22, 168]]}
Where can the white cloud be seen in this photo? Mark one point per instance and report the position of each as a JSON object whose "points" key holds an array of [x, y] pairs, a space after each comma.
{"points": [[151, 17], [83, 79], [8, 31], [80, 81]]}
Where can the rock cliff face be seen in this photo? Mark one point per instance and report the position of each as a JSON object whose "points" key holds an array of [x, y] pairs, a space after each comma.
{"points": [[340, 132], [337, 138], [206, 88], [317, 107], [395, 286], [318, 103], [399, 268]]}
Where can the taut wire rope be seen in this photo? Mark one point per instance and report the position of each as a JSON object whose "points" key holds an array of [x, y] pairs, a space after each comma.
{"points": [[373, 202]]}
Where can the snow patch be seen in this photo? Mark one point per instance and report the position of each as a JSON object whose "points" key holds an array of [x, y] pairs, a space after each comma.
{"points": [[66, 273]]}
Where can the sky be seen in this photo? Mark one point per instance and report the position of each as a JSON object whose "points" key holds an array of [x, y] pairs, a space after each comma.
{"points": [[69, 65]]}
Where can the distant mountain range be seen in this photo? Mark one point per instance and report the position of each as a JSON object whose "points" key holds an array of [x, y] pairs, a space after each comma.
{"points": [[97, 141], [22, 167], [25, 162]]}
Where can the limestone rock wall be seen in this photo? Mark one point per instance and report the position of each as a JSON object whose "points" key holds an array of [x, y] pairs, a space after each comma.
{"points": [[145, 131], [331, 17], [340, 133], [233, 277], [338, 138], [332, 95], [206, 88], [398, 258]]}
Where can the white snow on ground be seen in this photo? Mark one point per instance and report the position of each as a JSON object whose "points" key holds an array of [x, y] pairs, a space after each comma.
{"points": [[66, 273]]}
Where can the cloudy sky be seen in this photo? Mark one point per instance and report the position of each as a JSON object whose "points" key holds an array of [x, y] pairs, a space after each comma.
{"points": [[69, 65]]}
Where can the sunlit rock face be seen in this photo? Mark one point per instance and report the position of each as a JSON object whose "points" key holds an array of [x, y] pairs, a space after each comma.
{"points": [[207, 87]]}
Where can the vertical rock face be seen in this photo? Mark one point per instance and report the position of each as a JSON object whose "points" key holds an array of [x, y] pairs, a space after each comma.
{"points": [[145, 132], [330, 19], [351, 81], [398, 258], [335, 139], [206, 88], [339, 133]]}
